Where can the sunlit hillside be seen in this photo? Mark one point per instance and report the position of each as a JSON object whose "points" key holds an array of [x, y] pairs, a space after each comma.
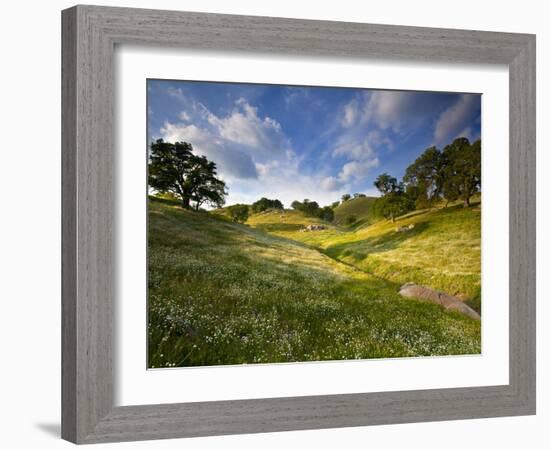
{"points": [[228, 293], [356, 208]]}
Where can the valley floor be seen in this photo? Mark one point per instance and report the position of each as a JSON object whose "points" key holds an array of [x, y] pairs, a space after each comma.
{"points": [[226, 293]]}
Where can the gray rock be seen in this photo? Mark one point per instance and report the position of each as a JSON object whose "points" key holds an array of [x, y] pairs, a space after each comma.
{"points": [[411, 290], [314, 227]]}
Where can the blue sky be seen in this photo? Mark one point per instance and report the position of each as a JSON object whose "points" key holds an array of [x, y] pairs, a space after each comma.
{"points": [[293, 143]]}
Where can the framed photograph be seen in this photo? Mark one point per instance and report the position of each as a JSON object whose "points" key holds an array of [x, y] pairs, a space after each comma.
{"points": [[277, 224]]}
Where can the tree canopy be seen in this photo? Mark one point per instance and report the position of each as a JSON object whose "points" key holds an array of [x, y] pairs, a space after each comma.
{"points": [[461, 170], [346, 197], [175, 169], [454, 173], [326, 213], [310, 208], [238, 213], [386, 183], [392, 204], [394, 200], [265, 203], [424, 177]]}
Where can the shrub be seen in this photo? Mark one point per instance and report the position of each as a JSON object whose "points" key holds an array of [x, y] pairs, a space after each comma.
{"points": [[238, 213], [326, 213]]}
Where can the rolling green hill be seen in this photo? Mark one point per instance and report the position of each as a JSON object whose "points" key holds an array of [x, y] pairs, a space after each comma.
{"points": [[357, 207], [289, 223], [226, 293], [442, 251]]}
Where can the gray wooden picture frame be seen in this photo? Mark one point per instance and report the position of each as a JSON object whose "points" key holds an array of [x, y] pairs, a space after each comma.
{"points": [[90, 34]]}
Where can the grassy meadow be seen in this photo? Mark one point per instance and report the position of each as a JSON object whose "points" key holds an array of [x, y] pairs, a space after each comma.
{"points": [[264, 292], [442, 251], [358, 208]]}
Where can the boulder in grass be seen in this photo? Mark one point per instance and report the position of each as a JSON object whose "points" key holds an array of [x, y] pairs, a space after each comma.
{"points": [[449, 302], [405, 228], [314, 227]]}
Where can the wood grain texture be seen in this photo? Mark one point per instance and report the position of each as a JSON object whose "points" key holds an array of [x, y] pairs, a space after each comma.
{"points": [[522, 224], [89, 36], [68, 226]]}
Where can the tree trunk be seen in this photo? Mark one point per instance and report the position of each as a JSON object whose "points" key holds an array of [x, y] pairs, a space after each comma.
{"points": [[185, 203], [466, 202], [392, 219]]}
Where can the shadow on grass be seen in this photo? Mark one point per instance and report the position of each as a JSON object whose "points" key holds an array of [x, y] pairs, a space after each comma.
{"points": [[417, 212], [280, 227], [163, 201], [379, 244], [200, 229], [460, 207], [361, 223]]}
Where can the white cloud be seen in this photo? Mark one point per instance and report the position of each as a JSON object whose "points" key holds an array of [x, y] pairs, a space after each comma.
{"points": [[377, 139], [361, 157], [184, 115], [231, 160], [389, 109], [244, 126], [285, 180], [239, 142], [350, 114], [355, 148], [180, 132], [466, 132], [367, 121], [395, 111], [255, 157], [357, 170], [253, 154], [330, 183], [177, 93], [453, 121]]}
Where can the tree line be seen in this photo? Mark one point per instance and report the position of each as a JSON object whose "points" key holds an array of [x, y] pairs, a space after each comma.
{"points": [[451, 174], [347, 197], [312, 208], [240, 212]]}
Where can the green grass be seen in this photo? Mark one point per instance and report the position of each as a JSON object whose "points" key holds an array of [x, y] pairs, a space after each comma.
{"points": [[225, 293], [357, 207], [442, 251], [286, 223]]}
